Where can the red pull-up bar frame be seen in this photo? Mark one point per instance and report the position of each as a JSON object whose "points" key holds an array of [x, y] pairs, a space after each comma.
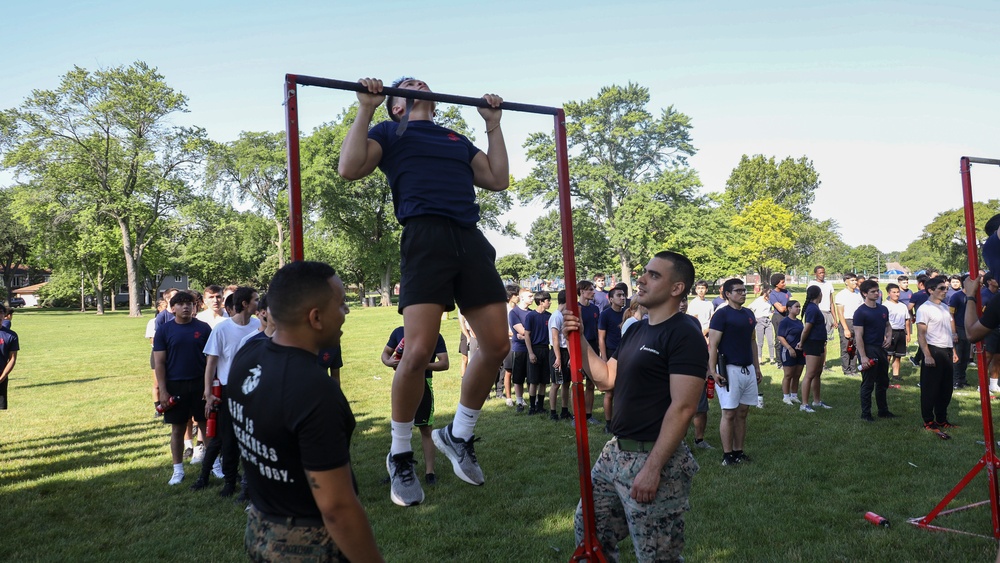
{"points": [[989, 461], [590, 548]]}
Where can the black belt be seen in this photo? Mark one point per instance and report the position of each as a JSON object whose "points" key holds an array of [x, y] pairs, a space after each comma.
{"points": [[293, 521], [626, 445]]}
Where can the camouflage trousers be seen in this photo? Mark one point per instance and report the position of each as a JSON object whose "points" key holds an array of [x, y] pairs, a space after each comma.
{"points": [[657, 527], [270, 541]]}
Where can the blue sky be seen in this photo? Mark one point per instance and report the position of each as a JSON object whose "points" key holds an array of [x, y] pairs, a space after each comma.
{"points": [[884, 97]]}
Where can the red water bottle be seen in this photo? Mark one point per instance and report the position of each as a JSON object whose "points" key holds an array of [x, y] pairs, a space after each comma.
{"points": [[171, 401], [872, 362], [876, 519], [214, 414], [850, 348], [710, 388], [399, 349]]}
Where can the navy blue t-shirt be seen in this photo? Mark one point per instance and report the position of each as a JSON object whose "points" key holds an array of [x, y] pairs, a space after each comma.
{"points": [[398, 334], [8, 343], [957, 302], [185, 348], [329, 357], [162, 318], [610, 321], [791, 330], [538, 325], [780, 296], [873, 320], [905, 296], [918, 299], [812, 314], [736, 326], [517, 315], [589, 315], [429, 169]]}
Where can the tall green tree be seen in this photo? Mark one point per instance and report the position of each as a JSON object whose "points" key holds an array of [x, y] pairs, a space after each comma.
{"points": [[621, 155], [765, 232], [544, 243], [105, 138], [946, 236], [15, 242], [791, 183], [220, 245], [253, 169], [515, 267]]}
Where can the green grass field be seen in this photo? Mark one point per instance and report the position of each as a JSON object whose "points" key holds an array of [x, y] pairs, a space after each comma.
{"points": [[84, 466]]}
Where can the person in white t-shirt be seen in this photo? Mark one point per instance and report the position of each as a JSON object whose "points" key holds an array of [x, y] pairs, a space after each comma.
{"points": [[221, 348], [899, 320], [701, 308], [826, 305], [848, 300], [214, 312], [937, 343]]}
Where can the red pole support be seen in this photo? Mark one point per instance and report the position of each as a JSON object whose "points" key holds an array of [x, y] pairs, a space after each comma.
{"points": [[294, 172], [590, 548]]}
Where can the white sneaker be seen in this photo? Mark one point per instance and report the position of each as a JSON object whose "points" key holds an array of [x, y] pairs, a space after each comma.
{"points": [[176, 478], [788, 401], [796, 400], [821, 404], [199, 455], [217, 468], [994, 390], [510, 403], [806, 408]]}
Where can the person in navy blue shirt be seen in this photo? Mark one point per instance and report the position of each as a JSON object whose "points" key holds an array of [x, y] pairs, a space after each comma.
{"points": [[9, 346], [590, 314], [516, 318], [792, 360], [444, 258], [873, 332], [179, 359], [536, 333], [813, 345], [778, 298], [735, 366], [962, 346], [609, 334]]}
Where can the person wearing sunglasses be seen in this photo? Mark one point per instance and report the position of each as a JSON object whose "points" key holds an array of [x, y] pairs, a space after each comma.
{"points": [[937, 343]]}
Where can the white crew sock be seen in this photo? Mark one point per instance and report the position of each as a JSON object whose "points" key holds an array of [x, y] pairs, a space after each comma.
{"points": [[179, 468], [464, 423], [187, 444], [402, 432]]}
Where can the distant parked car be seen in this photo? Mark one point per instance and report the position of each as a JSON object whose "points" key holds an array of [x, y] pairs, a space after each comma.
{"points": [[17, 302]]}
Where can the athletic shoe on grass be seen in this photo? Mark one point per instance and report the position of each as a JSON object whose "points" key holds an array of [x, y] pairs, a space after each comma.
{"points": [[198, 456], [806, 408], [405, 488], [176, 478], [461, 453], [821, 404]]}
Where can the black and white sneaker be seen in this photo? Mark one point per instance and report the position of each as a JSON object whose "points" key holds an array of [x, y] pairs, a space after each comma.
{"points": [[404, 487], [461, 453]]}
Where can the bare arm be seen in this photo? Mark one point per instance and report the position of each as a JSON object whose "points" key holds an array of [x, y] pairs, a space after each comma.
{"points": [[492, 170], [859, 335], [601, 335], [440, 363], [554, 342], [211, 365], [685, 392], [922, 342], [160, 369], [974, 329], [343, 515], [714, 337], [359, 155], [388, 357]]}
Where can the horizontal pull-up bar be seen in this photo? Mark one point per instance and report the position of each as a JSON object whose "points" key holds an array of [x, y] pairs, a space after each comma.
{"points": [[977, 160], [417, 94]]}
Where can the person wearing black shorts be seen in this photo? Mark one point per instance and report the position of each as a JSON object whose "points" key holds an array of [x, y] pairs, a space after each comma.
{"points": [[536, 335], [516, 319], [792, 360], [424, 418], [179, 364], [813, 346], [444, 258], [9, 345], [559, 360]]}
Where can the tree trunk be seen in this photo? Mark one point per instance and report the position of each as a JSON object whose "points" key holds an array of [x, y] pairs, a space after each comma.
{"points": [[131, 270], [387, 287], [281, 243], [626, 273], [99, 291]]}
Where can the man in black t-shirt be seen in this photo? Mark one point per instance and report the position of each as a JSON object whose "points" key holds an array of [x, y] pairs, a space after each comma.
{"points": [[590, 313], [294, 427], [658, 374], [873, 332]]}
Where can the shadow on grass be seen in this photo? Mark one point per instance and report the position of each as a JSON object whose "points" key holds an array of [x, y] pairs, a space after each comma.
{"points": [[65, 382]]}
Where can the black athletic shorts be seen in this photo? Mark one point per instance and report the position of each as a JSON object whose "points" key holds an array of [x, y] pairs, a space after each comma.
{"points": [[508, 361], [814, 347], [463, 345], [3, 393], [703, 401], [443, 262], [425, 412], [787, 360], [538, 372], [991, 343], [191, 402], [897, 345], [519, 368]]}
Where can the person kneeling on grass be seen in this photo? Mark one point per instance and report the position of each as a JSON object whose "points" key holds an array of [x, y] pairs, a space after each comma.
{"points": [[179, 363]]}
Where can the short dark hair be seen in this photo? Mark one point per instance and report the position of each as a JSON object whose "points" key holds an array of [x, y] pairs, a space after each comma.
{"points": [[850, 276], [682, 267], [262, 303], [922, 279], [987, 277], [992, 225], [955, 277], [776, 279], [622, 286], [182, 297], [213, 288], [615, 289], [935, 281], [868, 285], [298, 287], [818, 268], [3, 309], [242, 295], [813, 292], [583, 285], [891, 286], [561, 297], [512, 290], [542, 296], [700, 283], [791, 302], [391, 100], [731, 283], [903, 277]]}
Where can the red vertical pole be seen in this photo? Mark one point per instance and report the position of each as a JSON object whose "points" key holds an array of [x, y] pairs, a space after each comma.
{"points": [[294, 170], [990, 457], [590, 548]]}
